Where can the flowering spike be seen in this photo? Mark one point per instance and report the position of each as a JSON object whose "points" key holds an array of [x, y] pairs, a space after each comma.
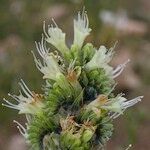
{"points": [[78, 105], [81, 28]]}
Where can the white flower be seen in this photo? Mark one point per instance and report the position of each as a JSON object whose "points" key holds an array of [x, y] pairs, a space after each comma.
{"points": [[119, 104], [115, 105], [81, 29], [31, 103], [101, 59], [50, 68], [56, 37]]}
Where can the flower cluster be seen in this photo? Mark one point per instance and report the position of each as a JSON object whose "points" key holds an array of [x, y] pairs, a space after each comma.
{"points": [[78, 105], [31, 103]]}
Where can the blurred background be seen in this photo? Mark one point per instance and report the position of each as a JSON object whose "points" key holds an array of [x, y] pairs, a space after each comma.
{"points": [[126, 21]]}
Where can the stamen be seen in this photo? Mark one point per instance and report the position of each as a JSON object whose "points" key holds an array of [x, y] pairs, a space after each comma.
{"points": [[26, 87], [37, 61], [38, 48], [28, 117], [21, 129], [112, 89], [115, 115], [41, 48], [132, 102], [83, 19], [24, 90], [14, 97], [44, 29], [128, 147], [10, 104], [120, 68], [20, 125], [54, 23]]}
